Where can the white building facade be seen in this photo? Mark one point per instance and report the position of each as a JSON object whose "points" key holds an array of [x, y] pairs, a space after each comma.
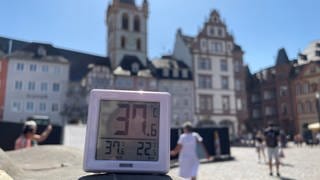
{"points": [[175, 77], [36, 84], [211, 56]]}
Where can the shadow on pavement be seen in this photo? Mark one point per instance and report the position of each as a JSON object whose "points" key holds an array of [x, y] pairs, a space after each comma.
{"points": [[286, 178], [286, 165], [126, 177]]}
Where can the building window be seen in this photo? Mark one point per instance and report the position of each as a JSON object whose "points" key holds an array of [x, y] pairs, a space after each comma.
{"points": [[138, 44], [45, 68], [317, 53], [137, 24], [308, 107], [305, 89], [314, 87], [55, 107], [256, 113], [225, 103], [56, 87], [123, 42], [220, 33], [18, 85], [165, 72], [33, 67], [135, 67], [175, 73], [300, 108], [268, 94], [237, 66], [298, 89], [216, 47], [57, 70], [186, 102], [225, 82], [224, 65], [283, 90], [204, 64], [32, 86], [206, 103], [20, 67], [185, 73], [269, 111], [124, 83], [44, 87], [238, 85], [42, 107], [125, 22], [203, 44], [205, 81], [16, 106], [30, 107], [211, 31], [255, 98], [284, 109], [239, 104]]}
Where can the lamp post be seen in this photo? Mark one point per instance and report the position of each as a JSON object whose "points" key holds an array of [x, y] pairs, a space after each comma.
{"points": [[318, 106]]}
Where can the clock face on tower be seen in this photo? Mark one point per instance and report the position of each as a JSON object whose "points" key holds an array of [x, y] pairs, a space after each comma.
{"points": [[128, 131]]}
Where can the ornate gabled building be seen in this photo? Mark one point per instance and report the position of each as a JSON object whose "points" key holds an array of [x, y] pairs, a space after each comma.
{"points": [[305, 87], [311, 53], [219, 77], [270, 97]]}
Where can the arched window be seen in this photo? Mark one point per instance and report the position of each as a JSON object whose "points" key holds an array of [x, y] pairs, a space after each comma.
{"points": [[284, 109], [308, 107], [125, 22], [300, 108], [123, 42], [138, 44], [136, 24]]}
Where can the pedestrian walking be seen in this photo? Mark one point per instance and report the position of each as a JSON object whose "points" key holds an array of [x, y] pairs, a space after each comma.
{"points": [[186, 147], [318, 138], [260, 146], [271, 134], [29, 138]]}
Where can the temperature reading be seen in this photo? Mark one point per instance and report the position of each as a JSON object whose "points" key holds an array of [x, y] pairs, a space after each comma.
{"points": [[128, 130], [131, 113], [114, 147]]}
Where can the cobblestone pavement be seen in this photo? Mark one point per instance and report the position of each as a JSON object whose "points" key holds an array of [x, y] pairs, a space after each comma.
{"points": [[298, 164]]}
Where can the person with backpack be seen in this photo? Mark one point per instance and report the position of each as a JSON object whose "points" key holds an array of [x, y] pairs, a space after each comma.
{"points": [[272, 138]]}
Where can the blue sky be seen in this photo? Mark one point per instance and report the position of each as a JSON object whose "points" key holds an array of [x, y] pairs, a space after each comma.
{"points": [[260, 27]]}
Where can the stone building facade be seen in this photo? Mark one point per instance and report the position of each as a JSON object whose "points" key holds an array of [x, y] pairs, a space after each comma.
{"points": [[175, 77], [270, 98], [37, 81], [219, 78]]}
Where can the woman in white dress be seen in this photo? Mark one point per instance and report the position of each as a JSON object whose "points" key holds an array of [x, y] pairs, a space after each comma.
{"points": [[188, 158]]}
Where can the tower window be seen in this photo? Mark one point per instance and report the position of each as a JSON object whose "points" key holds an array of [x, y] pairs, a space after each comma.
{"points": [[125, 22], [138, 44], [137, 24], [123, 42]]}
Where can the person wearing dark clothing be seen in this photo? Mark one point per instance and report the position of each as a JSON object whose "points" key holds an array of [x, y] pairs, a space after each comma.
{"points": [[260, 146], [271, 134]]}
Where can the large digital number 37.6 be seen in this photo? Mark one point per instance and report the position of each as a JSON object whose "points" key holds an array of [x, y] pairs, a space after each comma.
{"points": [[124, 119]]}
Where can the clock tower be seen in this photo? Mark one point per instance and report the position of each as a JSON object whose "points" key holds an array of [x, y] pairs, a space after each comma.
{"points": [[127, 31]]}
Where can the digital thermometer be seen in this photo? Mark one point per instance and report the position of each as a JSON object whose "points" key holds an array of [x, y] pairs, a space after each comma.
{"points": [[128, 131]]}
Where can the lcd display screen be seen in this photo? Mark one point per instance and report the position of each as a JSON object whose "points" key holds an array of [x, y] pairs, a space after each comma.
{"points": [[128, 131]]}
